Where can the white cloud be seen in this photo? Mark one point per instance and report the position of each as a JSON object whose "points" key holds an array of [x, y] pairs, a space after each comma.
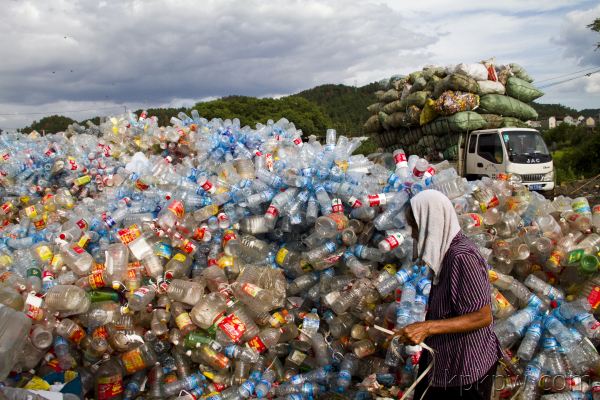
{"points": [[82, 54]]}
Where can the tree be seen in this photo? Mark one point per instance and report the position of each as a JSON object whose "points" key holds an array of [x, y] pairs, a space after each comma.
{"points": [[51, 124], [595, 26]]}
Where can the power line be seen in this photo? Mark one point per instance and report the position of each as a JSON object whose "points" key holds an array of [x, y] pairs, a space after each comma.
{"points": [[565, 75], [569, 80], [59, 112]]}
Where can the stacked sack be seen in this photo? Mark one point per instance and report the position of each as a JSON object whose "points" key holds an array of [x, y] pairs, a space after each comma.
{"points": [[206, 259], [426, 111]]}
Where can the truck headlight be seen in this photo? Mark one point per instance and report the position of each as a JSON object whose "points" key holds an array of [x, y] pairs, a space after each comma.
{"points": [[549, 177]]}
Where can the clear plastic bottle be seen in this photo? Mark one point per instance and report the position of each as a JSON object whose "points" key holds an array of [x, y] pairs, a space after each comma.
{"points": [[15, 330], [67, 299], [109, 381], [188, 292]]}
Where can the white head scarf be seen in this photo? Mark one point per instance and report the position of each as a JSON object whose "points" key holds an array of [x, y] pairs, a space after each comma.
{"points": [[438, 225]]}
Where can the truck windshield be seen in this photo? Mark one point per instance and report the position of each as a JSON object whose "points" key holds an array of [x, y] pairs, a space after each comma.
{"points": [[526, 147]]}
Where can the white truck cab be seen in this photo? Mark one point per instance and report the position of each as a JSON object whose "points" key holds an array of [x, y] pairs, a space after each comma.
{"points": [[519, 151]]}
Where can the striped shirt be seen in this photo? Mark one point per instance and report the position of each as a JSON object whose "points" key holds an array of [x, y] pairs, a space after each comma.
{"points": [[461, 358]]}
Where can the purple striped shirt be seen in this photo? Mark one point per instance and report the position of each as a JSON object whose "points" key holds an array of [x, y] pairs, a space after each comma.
{"points": [[461, 358]]}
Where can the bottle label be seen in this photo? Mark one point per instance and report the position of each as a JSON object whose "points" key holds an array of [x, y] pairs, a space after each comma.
{"points": [[400, 160], [33, 307], [390, 269], [222, 217], [96, 280], [257, 344], [31, 212], [337, 206], [44, 253], [199, 233], [532, 372], [596, 209], [418, 173], [188, 246], [132, 361], [341, 221], [34, 272], [269, 161], [6, 208], [177, 208], [109, 387], [141, 185], [394, 240], [81, 224], [556, 257], [494, 202], [272, 211], [354, 202], [501, 301], [233, 327], [83, 241], [281, 254], [100, 333], [251, 289], [77, 249], [594, 297], [493, 275], [128, 235], [430, 172], [179, 257], [376, 200], [229, 235], [477, 219], [141, 292], [183, 320], [581, 206], [77, 335]]}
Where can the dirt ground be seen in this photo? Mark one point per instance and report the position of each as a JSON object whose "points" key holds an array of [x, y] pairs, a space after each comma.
{"points": [[589, 188]]}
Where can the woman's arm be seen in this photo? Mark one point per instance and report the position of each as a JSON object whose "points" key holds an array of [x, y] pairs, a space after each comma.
{"points": [[418, 332]]}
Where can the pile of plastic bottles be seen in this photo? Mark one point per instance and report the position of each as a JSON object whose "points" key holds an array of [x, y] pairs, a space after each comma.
{"points": [[210, 260]]}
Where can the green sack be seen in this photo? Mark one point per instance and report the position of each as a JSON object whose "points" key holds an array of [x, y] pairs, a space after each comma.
{"points": [[394, 120], [393, 107], [418, 85], [520, 72], [506, 106], [459, 122], [522, 90], [375, 107], [414, 99], [492, 121], [390, 95], [451, 153], [372, 124], [510, 122], [459, 82]]}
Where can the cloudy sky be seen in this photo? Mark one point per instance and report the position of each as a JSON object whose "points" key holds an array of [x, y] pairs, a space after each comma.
{"points": [[82, 58]]}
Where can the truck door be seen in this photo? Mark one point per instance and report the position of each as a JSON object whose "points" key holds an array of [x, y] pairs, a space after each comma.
{"points": [[489, 158], [469, 159]]}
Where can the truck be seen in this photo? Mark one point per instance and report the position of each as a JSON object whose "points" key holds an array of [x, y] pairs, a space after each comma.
{"points": [[520, 151], [490, 152]]}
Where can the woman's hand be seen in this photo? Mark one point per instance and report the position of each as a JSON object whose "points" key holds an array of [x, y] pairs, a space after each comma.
{"points": [[415, 333]]}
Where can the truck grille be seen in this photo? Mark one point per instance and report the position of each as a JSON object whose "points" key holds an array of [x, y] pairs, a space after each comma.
{"points": [[532, 177]]}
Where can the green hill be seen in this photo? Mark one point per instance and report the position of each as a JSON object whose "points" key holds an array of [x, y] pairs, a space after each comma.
{"points": [[345, 105]]}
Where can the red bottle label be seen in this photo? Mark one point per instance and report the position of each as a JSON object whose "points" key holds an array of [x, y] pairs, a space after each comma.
{"points": [[257, 344], [233, 327], [109, 387]]}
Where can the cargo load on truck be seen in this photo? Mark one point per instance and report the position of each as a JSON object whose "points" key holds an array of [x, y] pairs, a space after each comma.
{"points": [[426, 111]]}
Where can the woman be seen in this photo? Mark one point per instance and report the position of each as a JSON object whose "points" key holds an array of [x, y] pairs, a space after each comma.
{"points": [[459, 317]]}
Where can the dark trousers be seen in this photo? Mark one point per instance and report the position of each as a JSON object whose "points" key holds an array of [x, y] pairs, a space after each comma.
{"points": [[479, 390]]}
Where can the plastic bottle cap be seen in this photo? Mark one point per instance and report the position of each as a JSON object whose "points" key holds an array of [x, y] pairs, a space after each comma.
{"points": [[554, 304]]}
